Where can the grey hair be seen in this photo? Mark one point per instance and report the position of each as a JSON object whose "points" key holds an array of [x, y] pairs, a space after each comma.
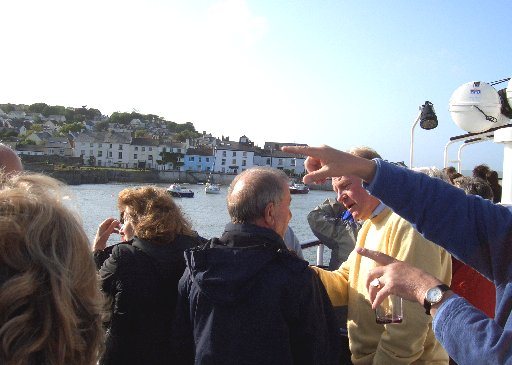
{"points": [[433, 171], [364, 152], [476, 186], [256, 188]]}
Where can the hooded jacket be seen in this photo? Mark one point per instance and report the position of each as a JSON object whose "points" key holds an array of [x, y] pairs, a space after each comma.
{"points": [[245, 299], [141, 279]]}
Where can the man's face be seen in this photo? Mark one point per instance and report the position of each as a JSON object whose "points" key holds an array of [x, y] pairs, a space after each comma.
{"points": [[283, 213], [354, 197]]}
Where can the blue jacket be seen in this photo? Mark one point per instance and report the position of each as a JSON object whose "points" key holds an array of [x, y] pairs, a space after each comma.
{"points": [[475, 231], [245, 299]]}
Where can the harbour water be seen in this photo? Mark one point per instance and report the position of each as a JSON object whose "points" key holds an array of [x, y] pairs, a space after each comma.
{"points": [[207, 212]]}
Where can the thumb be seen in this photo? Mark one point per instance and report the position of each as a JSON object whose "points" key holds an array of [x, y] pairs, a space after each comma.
{"points": [[378, 257], [316, 176]]}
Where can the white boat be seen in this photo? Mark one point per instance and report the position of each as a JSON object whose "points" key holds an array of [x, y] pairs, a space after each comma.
{"points": [[212, 188], [177, 191], [299, 188]]}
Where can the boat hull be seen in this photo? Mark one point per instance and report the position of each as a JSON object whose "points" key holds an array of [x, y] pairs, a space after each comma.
{"points": [[183, 194]]}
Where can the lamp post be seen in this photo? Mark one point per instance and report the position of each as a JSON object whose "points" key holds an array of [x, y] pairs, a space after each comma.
{"points": [[428, 120]]}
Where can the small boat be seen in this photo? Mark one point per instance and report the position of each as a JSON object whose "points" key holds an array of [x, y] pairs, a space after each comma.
{"points": [[299, 188], [177, 191], [212, 188]]}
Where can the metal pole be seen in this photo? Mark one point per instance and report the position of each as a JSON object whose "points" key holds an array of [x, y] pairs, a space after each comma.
{"points": [[411, 151]]}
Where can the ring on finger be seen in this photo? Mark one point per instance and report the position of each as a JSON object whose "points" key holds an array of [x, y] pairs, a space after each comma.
{"points": [[375, 283]]}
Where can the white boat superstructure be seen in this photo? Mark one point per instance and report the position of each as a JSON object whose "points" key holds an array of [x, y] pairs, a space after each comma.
{"points": [[211, 188]]}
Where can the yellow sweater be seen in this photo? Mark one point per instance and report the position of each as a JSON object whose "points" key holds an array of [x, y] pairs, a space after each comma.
{"points": [[412, 341]]}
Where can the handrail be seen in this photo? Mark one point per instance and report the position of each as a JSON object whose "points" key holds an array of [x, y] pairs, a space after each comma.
{"points": [[319, 251]]}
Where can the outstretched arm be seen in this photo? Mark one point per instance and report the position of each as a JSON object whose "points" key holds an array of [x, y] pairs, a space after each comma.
{"points": [[323, 162]]}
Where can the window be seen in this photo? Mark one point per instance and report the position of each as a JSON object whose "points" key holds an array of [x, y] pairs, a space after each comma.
{"points": [[199, 159], [110, 145], [268, 161], [164, 149], [223, 162], [100, 145], [233, 161], [207, 159], [234, 154], [120, 155], [223, 153], [151, 148], [190, 158], [100, 153], [110, 154], [244, 154], [99, 162], [292, 163], [150, 157], [91, 145], [136, 148], [134, 156], [91, 153], [143, 149], [82, 152], [280, 161], [120, 146], [244, 163]]}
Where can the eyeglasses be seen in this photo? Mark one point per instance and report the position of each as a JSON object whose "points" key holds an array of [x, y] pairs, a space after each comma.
{"points": [[121, 217]]}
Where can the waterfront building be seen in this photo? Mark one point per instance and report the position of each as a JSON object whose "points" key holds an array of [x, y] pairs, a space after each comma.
{"points": [[199, 159]]}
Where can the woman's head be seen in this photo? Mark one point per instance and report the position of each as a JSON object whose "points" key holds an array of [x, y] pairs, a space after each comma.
{"points": [[50, 304], [152, 214]]}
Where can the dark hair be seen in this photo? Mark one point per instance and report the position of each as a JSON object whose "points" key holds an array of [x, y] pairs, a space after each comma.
{"points": [[481, 171]]}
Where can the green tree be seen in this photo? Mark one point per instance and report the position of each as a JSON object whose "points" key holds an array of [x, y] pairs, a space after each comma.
{"points": [[72, 127], [140, 133], [37, 107]]}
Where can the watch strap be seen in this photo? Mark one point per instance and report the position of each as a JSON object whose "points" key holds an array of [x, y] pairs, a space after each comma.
{"points": [[427, 305]]}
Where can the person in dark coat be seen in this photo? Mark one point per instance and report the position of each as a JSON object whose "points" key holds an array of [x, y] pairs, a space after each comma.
{"points": [[140, 275], [244, 298]]}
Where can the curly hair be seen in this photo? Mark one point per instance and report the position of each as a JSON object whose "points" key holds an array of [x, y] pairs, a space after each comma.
{"points": [[154, 214], [51, 307]]}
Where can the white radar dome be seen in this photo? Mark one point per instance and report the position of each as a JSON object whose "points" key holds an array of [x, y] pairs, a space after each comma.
{"points": [[475, 107]]}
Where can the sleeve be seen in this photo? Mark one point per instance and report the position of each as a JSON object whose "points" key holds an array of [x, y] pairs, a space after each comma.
{"points": [[405, 343], [100, 256], [456, 324], [109, 271], [336, 282], [182, 332], [317, 326], [292, 242], [473, 229]]}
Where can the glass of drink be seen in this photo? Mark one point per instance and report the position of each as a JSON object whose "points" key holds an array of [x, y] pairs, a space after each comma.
{"points": [[390, 310]]}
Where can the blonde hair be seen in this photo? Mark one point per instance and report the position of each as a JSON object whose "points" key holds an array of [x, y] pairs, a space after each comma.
{"points": [[51, 306], [154, 214]]}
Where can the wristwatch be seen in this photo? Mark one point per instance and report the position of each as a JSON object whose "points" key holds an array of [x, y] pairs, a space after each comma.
{"points": [[434, 296]]}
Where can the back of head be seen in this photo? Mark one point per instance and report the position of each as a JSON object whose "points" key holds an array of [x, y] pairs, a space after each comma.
{"points": [[364, 152], [433, 171], [481, 171], [154, 214], [9, 160], [252, 190], [492, 177], [477, 186], [50, 304]]}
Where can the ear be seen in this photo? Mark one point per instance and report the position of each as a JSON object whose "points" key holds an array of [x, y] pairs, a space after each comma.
{"points": [[270, 214]]}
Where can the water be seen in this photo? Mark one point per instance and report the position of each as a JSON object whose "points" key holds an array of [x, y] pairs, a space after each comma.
{"points": [[207, 212]]}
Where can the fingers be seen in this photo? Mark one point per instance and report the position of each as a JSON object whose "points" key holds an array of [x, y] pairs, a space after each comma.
{"points": [[376, 256], [105, 229]]}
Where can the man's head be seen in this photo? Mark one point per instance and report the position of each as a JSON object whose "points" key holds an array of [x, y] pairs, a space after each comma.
{"points": [[9, 160], [260, 196], [350, 191]]}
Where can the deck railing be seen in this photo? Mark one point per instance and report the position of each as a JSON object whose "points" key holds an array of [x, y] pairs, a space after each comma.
{"points": [[319, 250]]}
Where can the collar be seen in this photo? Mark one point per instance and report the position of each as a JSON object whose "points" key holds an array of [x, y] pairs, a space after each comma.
{"points": [[378, 209]]}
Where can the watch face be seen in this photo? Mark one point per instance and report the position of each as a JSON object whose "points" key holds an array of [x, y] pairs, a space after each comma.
{"points": [[434, 295]]}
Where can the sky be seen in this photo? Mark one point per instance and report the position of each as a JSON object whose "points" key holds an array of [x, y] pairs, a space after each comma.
{"points": [[336, 72]]}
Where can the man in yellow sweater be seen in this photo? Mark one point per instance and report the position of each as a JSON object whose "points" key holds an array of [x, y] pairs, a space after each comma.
{"points": [[412, 341]]}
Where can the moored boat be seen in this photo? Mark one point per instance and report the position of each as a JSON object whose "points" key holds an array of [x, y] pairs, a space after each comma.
{"points": [[299, 188], [177, 191], [212, 188]]}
